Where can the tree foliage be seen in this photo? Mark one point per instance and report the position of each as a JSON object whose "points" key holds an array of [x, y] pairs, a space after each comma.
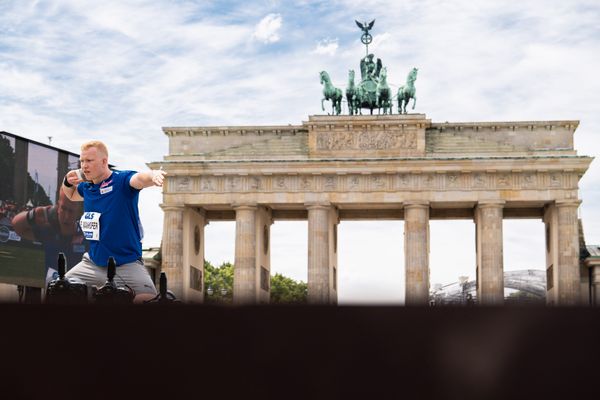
{"points": [[219, 280], [218, 283], [285, 290]]}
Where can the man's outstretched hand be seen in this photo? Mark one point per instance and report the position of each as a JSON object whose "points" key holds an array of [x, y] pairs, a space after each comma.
{"points": [[158, 177]]}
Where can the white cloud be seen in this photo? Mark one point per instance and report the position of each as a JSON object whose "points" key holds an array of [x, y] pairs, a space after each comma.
{"points": [[24, 85], [379, 41], [326, 47], [267, 30]]}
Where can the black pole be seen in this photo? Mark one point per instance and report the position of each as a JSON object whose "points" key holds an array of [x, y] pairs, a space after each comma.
{"points": [[112, 269], [163, 285], [62, 263]]}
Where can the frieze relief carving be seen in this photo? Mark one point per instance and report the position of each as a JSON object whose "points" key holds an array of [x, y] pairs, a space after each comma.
{"points": [[353, 182], [374, 182], [555, 180], [480, 181], [427, 181], [330, 183], [503, 180], [529, 180], [373, 140], [281, 183], [404, 181], [233, 183], [207, 184], [255, 184], [183, 184], [452, 181], [306, 183], [378, 182]]}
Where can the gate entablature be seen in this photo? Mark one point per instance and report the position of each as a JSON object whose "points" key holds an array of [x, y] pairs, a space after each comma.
{"points": [[376, 181]]}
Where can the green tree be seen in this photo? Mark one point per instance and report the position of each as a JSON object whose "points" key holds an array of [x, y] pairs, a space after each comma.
{"points": [[285, 290], [219, 280]]}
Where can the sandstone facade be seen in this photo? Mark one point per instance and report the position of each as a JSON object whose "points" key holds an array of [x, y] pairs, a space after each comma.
{"points": [[370, 167]]}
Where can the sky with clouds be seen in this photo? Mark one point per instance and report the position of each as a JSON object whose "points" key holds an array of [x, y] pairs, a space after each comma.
{"points": [[121, 70]]}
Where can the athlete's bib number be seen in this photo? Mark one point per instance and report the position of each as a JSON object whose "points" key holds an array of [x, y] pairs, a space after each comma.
{"points": [[90, 225]]}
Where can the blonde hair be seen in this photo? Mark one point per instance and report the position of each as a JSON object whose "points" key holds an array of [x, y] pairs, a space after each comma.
{"points": [[97, 144]]}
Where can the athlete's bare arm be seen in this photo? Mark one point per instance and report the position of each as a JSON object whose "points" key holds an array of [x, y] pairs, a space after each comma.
{"points": [[141, 180], [71, 192]]}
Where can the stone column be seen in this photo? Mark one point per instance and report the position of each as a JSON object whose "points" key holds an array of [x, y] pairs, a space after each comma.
{"points": [[334, 220], [319, 268], [416, 252], [567, 265], [264, 220], [194, 221], [595, 300], [490, 264], [172, 247], [244, 275]]}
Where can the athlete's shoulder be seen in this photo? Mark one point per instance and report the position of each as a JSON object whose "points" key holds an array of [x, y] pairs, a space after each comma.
{"points": [[123, 175], [83, 187]]}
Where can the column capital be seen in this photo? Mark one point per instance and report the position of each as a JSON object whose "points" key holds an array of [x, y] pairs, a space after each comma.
{"points": [[416, 204], [244, 206], [496, 203], [321, 205], [567, 203], [172, 207]]}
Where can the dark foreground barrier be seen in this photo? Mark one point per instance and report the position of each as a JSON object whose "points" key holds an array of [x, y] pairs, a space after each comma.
{"points": [[166, 351]]}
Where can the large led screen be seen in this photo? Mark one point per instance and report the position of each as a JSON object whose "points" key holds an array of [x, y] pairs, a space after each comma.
{"points": [[36, 221]]}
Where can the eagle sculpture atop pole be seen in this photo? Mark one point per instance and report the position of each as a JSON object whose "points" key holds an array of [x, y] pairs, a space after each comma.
{"points": [[366, 37]]}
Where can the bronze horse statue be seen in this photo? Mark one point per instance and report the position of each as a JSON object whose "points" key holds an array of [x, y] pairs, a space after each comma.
{"points": [[384, 93], [407, 92], [331, 93], [352, 95]]}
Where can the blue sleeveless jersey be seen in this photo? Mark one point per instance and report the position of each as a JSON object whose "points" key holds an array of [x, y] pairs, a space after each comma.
{"points": [[117, 204]]}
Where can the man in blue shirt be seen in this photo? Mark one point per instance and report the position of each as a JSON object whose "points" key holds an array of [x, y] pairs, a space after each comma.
{"points": [[110, 220]]}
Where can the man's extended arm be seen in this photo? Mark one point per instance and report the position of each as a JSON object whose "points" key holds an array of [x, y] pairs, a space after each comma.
{"points": [[69, 186], [146, 179]]}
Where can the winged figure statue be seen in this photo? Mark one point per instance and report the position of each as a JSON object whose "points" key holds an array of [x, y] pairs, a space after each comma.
{"points": [[364, 26]]}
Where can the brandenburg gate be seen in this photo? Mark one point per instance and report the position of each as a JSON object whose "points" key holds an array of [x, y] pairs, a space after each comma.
{"points": [[333, 168]]}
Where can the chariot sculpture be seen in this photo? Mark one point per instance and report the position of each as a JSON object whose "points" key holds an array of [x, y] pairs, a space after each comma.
{"points": [[373, 91]]}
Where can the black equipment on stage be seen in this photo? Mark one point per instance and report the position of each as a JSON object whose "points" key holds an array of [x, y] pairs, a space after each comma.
{"points": [[110, 293], [64, 290], [164, 296]]}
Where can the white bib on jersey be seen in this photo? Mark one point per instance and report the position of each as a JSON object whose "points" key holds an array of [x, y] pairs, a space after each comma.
{"points": [[90, 225]]}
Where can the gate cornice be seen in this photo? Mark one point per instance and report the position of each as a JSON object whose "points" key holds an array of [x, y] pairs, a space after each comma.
{"points": [[576, 164]]}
